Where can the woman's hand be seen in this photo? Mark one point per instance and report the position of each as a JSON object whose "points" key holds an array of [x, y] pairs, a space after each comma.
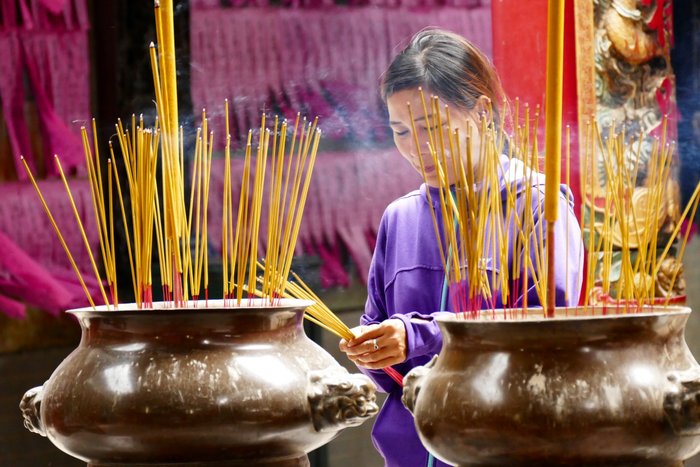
{"points": [[377, 346]]}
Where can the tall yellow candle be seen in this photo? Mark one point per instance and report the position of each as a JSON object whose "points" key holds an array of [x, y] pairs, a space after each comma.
{"points": [[553, 107], [170, 77]]}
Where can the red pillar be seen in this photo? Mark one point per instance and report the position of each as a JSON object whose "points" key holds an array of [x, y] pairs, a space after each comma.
{"points": [[520, 56]]}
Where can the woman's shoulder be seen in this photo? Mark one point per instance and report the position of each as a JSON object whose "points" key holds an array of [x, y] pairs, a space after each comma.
{"points": [[521, 178], [406, 204]]}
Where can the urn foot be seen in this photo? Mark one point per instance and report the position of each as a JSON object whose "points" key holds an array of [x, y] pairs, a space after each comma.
{"points": [[600, 463], [301, 461]]}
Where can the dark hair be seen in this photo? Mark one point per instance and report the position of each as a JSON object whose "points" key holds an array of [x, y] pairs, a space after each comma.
{"points": [[447, 65]]}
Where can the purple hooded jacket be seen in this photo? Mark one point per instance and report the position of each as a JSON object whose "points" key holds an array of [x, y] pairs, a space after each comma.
{"points": [[406, 280]]}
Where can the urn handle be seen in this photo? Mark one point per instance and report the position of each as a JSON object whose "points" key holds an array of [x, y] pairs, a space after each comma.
{"points": [[30, 405], [413, 382], [682, 402], [338, 399]]}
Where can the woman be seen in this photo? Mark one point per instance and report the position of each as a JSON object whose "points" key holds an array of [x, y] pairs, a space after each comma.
{"points": [[406, 278]]}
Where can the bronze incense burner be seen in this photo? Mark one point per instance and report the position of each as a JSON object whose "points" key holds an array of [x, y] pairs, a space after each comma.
{"points": [[589, 387], [237, 385]]}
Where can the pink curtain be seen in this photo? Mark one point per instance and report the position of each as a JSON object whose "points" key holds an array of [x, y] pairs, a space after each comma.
{"points": [[34, 267], [12, 88], [204, 4], [320, 61], [47, 40]]}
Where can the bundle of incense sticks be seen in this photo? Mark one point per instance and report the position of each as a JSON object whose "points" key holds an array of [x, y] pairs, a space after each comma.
{"points": [[160, 213], [318, 313], [628, 217], [289, 173], [159, 210], [486, 217], [491, 209]]}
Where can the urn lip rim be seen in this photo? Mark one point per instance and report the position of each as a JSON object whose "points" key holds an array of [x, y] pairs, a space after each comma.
{"points": [[200, 306], [564, 314]]}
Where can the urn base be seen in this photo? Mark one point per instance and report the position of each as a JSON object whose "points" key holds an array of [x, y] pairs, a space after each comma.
{"points": [[602, 463], [301, 461]]}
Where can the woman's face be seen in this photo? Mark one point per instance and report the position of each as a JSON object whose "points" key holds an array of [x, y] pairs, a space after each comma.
{"points": [[405, 140]]}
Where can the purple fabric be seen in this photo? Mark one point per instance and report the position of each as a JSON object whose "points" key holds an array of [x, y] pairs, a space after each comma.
{"points": [[405, 282]]}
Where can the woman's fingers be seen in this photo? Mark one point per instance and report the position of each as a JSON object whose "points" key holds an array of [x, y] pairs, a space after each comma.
{"points": [[360, 348], [378, 346], [357, 331], [387, 362], [367, 333]]}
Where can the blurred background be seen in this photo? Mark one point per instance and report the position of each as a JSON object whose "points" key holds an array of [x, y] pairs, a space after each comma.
{"points": [[63, 62]]}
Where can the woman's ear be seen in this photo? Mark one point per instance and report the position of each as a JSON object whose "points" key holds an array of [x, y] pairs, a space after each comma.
{"points": [[483, 107]]}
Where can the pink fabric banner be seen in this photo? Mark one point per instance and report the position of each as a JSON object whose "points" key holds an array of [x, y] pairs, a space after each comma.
{"points": [[324, 61], [318, 59], [53, 83], [12, 308], [22, 277], [47, 39], [54, 6], [204, 4], [12, 99], [34, 267], [23, 220]]}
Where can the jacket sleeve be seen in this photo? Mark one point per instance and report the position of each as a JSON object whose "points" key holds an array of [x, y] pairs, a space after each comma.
{"points": [[375, 306], [423, 336], [569, 248]]}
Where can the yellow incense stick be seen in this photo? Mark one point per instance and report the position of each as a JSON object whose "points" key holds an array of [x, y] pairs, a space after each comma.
{"points": [[58, 231], [126, 227], [82, 232]]}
